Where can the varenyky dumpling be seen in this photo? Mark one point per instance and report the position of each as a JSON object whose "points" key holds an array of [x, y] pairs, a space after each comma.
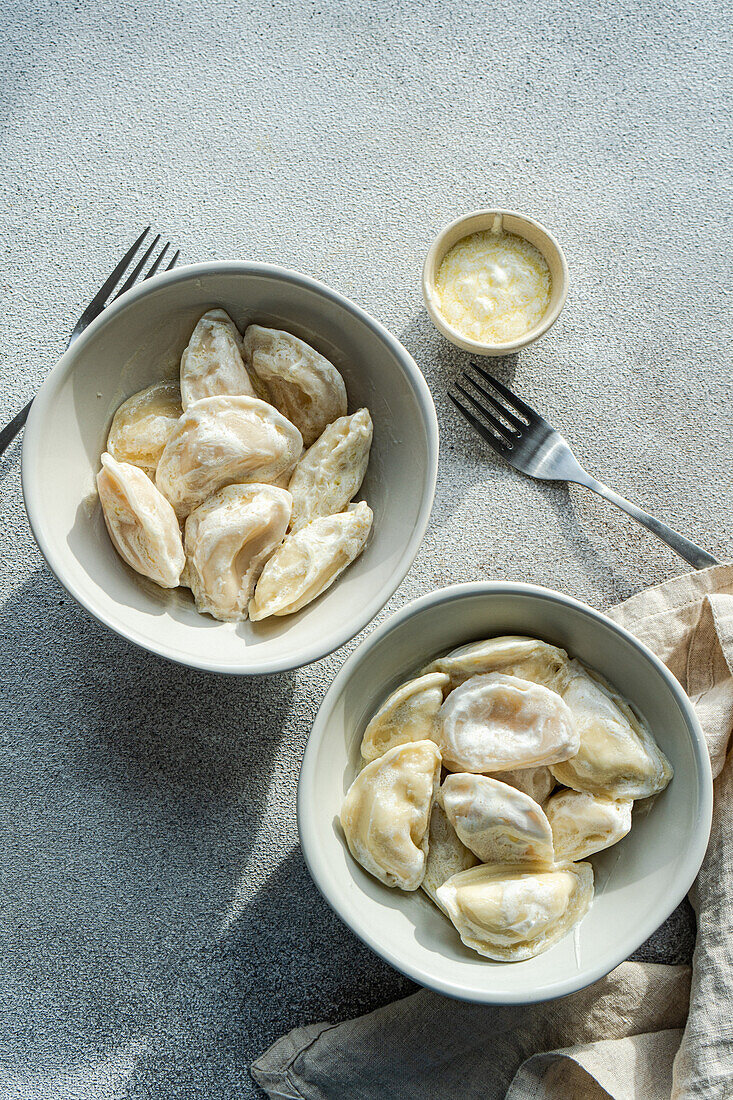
{"points": [[212, 364], [309, 561], [617, 755], [494, 723], [300, 382], [228, 540], [584, 823], [283, 481], [386, 813], [222, 440], [514, 913], [330, 472], [528, 658], [408, 714], [446, 854], [536, 782], [143, 424], [140, 521], [497, 822]]}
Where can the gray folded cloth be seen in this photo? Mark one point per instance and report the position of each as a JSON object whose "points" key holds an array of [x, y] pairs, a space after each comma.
{"points": [[644, 1031]]}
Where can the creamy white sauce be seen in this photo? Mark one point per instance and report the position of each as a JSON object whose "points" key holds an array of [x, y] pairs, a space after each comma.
{"points": [[493, 287], [529, 906]]}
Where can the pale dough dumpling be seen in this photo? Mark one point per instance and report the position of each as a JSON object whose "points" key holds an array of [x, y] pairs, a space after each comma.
{"points": [[212, 364], [143, 425], [386, 813], [140, 521], [510, 913], [300, 382], [536, 782], [408, 714], [228, 540], [446, 854], [497, 822], [283, 481], [222, 440], [494, 722], [309, 561], [528, 658], [584, 823], [330, 472], [617, 755]]}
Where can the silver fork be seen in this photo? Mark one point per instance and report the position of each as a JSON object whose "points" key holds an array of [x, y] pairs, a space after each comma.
{"points": [[528, 443], [99, 302]]}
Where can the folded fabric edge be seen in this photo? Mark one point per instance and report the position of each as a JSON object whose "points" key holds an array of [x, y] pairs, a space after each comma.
{"points": [[674, 593], [271, 1070], [639, 1065]]}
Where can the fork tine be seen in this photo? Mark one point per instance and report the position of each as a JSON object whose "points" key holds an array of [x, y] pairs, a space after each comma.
{"points": [[157, 263], [136, 269], [504, 432], [97, 302], [139, 266], [480, 427], [518, 425], [507, 394]]}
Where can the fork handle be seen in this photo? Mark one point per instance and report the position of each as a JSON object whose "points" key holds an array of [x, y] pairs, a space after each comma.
{"points": [[9, 432], [693, 554]]}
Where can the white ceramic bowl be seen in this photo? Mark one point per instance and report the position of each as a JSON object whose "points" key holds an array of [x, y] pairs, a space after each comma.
{"points": [[510, 222], [138, 340], [638, 882]]}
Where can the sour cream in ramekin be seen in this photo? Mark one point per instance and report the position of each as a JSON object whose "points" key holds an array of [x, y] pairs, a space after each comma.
{"points": [[493, 286], [494, 281]]}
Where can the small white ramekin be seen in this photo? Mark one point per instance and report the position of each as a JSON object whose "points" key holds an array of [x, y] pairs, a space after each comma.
{"points": [[511, 222]]}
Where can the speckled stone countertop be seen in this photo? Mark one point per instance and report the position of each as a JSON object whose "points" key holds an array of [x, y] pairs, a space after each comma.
{"points": [[158, 928]]}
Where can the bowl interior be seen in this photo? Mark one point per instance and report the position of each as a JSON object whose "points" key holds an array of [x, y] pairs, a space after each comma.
{"points": [[140, 341], [638, 882], [510, 222]]}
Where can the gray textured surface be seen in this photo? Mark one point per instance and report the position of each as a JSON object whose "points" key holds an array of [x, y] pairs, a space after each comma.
{"points": [[157, 926]]}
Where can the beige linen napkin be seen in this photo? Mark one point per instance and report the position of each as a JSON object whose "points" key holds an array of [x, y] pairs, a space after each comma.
{"points": [[622, 1037]]}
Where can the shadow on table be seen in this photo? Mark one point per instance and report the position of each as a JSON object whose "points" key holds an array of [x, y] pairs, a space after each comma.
{"points": [[673, 941], [580, 546], [441, 363], [465, 458], [286, 961], [10, 460], [131, 797]]}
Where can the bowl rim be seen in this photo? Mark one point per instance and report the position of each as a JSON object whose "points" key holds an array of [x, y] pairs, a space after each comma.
{"points": [[316, 862], [42, 410], [477, 347]]}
